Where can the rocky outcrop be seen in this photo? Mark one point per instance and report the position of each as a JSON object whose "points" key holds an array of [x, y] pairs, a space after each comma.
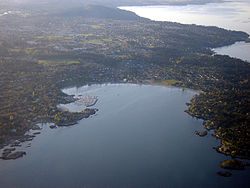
{"points": [[71, 118], [26, 138], [52, 126], [12, 156], [201, 133], [7, 151], [209, 125], [16, 144], [35, 127], [234, 164], [224, 173], [89, 111]]}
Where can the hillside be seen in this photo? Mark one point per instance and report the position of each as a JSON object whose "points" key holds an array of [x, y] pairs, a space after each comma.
{"points": [[100, 12]]}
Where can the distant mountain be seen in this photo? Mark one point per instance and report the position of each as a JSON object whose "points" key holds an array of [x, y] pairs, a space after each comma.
{"points": [[96, 11], [55, 5], [113, 3]]}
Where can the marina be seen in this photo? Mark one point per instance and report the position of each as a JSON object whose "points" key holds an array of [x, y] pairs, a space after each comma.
{"points": [[87, 101]]}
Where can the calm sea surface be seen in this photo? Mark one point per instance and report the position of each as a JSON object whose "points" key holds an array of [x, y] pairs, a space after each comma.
{"points": [[239, 50], [141, 137], [232, 15]]}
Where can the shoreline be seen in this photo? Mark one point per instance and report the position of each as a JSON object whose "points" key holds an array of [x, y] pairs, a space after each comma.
{"points": [[158, 3], [216, 51], [153, 83], [27, 138]]}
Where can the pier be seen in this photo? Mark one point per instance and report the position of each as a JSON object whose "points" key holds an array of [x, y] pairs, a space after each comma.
{"points": [[86, 100]]}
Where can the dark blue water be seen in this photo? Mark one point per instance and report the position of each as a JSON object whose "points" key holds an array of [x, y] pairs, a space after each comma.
{"points": [[141, 137]]}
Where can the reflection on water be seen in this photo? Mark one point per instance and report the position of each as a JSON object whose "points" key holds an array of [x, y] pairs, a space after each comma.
{"points": [[232, 15], [239, 50], [141, 137]]}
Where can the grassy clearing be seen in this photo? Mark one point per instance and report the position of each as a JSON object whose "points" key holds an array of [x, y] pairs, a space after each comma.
{"points": [[172, 82], [15, 50], [85, 35], [50, 37], [55, 62], [151, 46], [68, 38], [96, 41], [28, 50], [96, 26], [73, 62], [107, 40]]}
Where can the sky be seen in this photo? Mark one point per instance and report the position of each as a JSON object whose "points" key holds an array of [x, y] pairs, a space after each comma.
{"points": [[99, 1]]}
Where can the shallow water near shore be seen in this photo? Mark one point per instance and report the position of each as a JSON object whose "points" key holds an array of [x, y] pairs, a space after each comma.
{"points": [[141, 137]]}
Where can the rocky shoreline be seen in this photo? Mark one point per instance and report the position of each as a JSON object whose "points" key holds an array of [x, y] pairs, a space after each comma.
{"points": [[66, 118], [9, 148], [61, 119], [225, 147], [71, 118], [7, 155]]}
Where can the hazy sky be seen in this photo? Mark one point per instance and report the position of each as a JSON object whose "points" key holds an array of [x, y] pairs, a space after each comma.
{"points": [[48, 4], [101, 1]]}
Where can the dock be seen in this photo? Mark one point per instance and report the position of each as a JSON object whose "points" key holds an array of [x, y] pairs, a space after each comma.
{"points": [[87, 101]]}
